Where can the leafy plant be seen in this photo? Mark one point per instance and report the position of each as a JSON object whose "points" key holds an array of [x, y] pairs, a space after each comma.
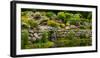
{"points": [[62, 16], [44, 45], [24, 25], [52, 23], [70, 35], [37, 15], [62, 25], [48, 44], [32, 23], [68, 15], [44, 36], [24, 39], [50, 14]]}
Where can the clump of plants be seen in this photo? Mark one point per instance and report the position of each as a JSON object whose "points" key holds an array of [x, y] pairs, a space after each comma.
{"points": [[53, 23], [24, 39]]}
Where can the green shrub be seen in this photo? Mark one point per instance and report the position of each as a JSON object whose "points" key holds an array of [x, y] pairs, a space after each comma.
{"points": [[70, 35], [74, 42], [85, 42], [24, 39], [44, 36], [53, 23], [68, 15], [37, 15], [47, 44], [63, 16], [43, 45], [76, 17], [82, 27], [51, 15], [24, 25], [62, 42], [24, 19], [32, 23], [62, 25]]}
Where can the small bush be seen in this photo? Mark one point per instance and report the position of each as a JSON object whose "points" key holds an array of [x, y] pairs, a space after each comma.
{"points": [[62, 16], [53, 23], [43, 45], [86, 42], [32, 23], [24, 39], [51, 15], [44, 36], [37, 15], [62, 25]]}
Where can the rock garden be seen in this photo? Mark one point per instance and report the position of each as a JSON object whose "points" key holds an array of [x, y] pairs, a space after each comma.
{"points": [[55, 28]]}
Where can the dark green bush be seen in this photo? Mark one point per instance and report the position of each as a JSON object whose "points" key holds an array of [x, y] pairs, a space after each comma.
{"points": [[51, 15], [24, 39], [86, 42], [44, 36]]}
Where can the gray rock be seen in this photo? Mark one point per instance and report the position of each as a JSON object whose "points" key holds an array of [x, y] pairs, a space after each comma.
{"points": [[36, 35], [30, 31], [33, 39]]}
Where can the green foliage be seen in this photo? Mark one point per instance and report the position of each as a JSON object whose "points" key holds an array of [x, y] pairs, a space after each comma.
{"points": [[67, 23], [86, 25], [68, 15], [23, 13], [24, 19], [76, 17], [47, 44], [37, 15], [89, 16], [62, 42], [32, 23], [44, 36], [24, 39], [70, 35], [52, 23], [43, 45], [86, 42], [49, 14], [62, 25], [62, 16], [24, 25]]}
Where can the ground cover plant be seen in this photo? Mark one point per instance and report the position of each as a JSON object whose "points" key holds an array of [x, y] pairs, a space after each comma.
{"points": [[55, 28]]}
